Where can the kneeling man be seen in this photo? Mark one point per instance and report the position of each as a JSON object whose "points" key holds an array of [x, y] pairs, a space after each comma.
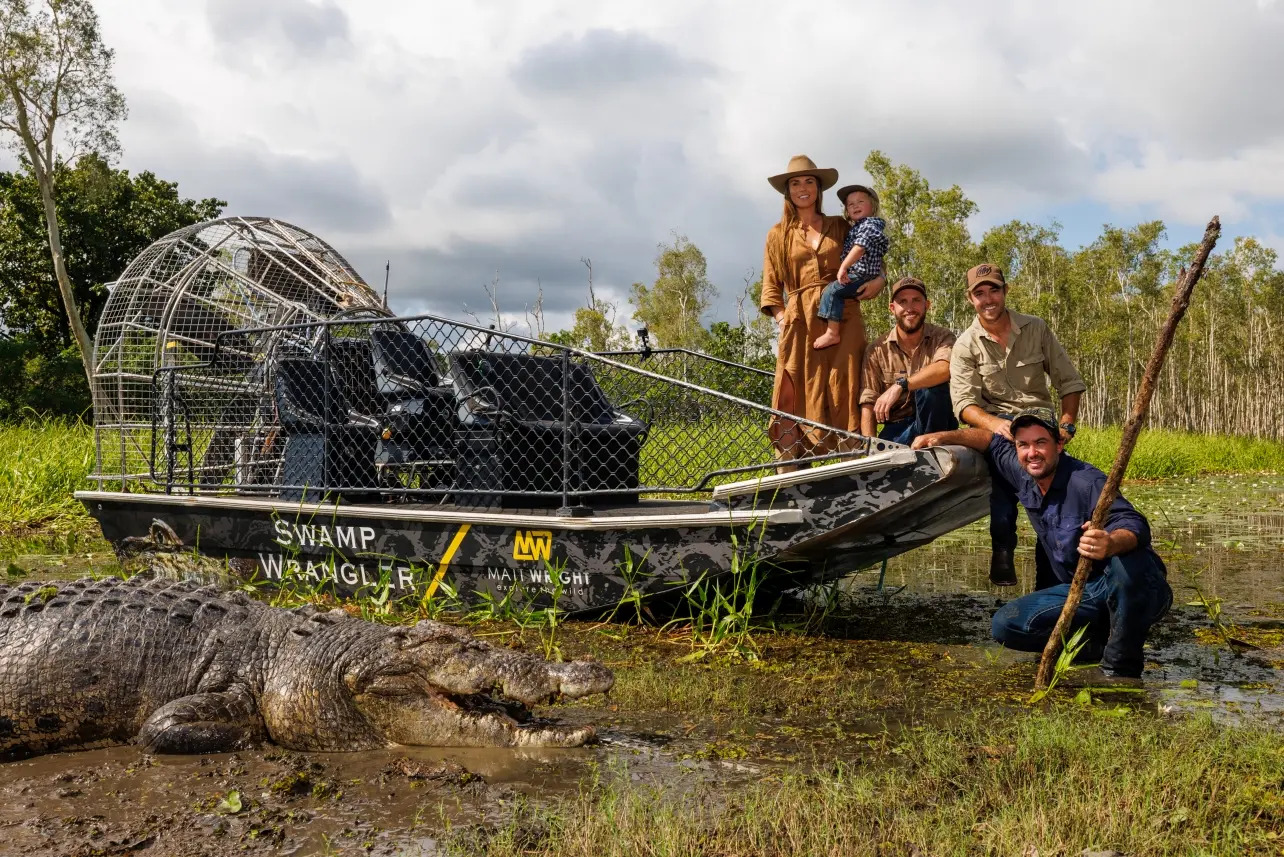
{"points": [[1128, 590]]}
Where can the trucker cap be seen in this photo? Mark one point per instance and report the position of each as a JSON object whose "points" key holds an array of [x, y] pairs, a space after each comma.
{"points": [[985, 273], [1037, 416], [909, 283]]}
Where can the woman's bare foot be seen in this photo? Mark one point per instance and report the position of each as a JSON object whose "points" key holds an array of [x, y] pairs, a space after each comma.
{"points": [[826, 339]]}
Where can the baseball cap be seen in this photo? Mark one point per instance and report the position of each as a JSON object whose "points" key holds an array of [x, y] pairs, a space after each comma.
{"points": [[985, 273], [847, 190], [909, 283], [1037, 416]]}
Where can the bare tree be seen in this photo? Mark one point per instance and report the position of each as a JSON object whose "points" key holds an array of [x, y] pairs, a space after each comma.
{"points": [[535, 312], [498, 322], [58, 101]]}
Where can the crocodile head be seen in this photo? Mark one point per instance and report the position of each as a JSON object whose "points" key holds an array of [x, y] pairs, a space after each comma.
{"points": [[432, 684]]}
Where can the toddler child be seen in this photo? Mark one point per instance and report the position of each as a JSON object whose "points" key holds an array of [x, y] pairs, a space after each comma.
{"points": [[863, 251]]}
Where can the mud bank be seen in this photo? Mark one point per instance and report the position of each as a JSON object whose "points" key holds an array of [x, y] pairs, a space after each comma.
{"points": [[882, 720]]}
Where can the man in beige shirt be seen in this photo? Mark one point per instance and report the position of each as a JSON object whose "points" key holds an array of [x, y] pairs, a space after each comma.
{"points": [[906, 384], [1000, 366]]}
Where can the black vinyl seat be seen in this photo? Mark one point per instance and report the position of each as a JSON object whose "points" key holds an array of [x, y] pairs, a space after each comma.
{"points": [[353, 361], [325, 452], [520, 426], [418, 410], [404, 363]]}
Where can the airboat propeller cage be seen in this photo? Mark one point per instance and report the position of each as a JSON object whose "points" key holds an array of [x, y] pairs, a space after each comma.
{"points": [[171, 305], [256, 403]]}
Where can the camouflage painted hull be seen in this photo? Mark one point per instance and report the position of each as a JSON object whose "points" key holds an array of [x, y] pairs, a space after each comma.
{"points": [[817, 524]]}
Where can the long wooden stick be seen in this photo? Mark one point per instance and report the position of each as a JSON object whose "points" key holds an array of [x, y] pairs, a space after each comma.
{"points": [[1132, 428]]}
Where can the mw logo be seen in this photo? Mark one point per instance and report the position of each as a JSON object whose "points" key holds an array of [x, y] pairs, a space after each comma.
{"points": [[533, 544]]}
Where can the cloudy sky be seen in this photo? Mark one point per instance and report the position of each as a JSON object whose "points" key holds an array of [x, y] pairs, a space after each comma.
{"points": [[467, 138]]}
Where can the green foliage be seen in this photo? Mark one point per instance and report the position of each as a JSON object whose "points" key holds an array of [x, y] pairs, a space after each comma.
{"points": [[106, 217], [1065, 662], [41, 463], [746, 345], [927, 228], [36, 383], [1162, 454], [672, 307]]}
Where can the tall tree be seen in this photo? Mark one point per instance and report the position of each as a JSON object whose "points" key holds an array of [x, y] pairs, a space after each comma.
{"points": [[57, 101], [107, 216], [671, 308], [927, 230]]}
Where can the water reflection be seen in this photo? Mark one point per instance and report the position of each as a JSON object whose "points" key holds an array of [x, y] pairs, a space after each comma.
{"points": [[1223, 541]]}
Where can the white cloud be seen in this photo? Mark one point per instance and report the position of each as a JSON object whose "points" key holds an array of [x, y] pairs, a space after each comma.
{"points": [[459, 138]]}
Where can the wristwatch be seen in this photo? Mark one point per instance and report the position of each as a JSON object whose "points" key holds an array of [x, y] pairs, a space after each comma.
{"points": [[1068, 428], [904, 382]]}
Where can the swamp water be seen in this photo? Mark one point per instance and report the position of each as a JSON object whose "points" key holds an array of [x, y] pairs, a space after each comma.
{"points": [[912, 655]]}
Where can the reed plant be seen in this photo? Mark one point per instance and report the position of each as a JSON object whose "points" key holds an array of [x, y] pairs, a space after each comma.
{"points": [[42, 461], [1164, 454], [720, 607]]}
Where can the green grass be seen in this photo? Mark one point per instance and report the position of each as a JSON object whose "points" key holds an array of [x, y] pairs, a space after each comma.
{"points": [[992, 783], [1165, 454], [41, 464]]}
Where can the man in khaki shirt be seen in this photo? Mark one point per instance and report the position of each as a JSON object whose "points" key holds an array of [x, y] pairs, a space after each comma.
{"points": [[1000, 366], [907, 372]]}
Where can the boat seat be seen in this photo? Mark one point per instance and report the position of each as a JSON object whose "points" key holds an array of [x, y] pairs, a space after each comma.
{"points": [[354, 367], [404, 364], [418, 410], [325, 452], [518, 435]]}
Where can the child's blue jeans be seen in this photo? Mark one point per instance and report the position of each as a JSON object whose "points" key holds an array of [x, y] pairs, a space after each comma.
{"points": [[831, 299]]}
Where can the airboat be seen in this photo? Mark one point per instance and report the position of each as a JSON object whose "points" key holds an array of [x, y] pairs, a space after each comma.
{"points": [[256, 405]]}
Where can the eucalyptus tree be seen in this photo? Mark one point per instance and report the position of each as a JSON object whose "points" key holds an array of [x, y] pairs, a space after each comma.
{"points": [[57, 102], [927, 230], [673, 305]]}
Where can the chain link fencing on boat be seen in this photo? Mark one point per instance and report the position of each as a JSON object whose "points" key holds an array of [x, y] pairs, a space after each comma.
{"points": [[443, 411]]}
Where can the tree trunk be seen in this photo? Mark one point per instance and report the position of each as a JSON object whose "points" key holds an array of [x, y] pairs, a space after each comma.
{"points": [[60, 272]]}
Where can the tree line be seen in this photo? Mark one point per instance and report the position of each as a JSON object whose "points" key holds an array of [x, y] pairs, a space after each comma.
{"points": [[70, 223], [1105, 302]]}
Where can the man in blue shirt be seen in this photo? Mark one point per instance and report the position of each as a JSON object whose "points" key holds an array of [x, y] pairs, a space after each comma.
{"points": [[1128, 590]]}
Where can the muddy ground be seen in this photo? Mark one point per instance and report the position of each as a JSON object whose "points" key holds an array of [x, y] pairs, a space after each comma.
{"points": [[909, 655]]}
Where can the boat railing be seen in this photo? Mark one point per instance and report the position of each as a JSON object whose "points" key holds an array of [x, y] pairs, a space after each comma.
{"points": [[430, 409], [704, 370]]}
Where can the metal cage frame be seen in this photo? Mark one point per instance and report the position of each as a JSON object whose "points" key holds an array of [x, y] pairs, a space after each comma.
{"points": [[184, 292]]}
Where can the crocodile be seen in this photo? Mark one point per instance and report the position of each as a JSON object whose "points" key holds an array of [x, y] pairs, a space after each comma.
{"points": [[178, 667]]}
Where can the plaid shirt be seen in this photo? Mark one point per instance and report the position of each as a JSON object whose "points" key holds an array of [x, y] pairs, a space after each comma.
{"points": [[868, 233]]}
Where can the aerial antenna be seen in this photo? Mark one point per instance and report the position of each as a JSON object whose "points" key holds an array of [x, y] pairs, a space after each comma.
{"points": [[387, 270]]}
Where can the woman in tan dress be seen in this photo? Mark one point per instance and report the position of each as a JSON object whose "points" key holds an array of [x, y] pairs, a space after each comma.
{"points": [[802, 256]]}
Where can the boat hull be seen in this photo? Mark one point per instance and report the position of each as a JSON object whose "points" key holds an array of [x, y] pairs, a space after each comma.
{"points": [[817, 524]]}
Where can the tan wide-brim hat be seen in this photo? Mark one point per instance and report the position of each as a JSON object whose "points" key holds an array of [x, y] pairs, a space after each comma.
{"points": [[801, 165]]}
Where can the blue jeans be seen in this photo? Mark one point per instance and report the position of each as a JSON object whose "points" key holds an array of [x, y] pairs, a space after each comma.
{"points": [[1130, 595], [831, 299], [932, 412]]}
